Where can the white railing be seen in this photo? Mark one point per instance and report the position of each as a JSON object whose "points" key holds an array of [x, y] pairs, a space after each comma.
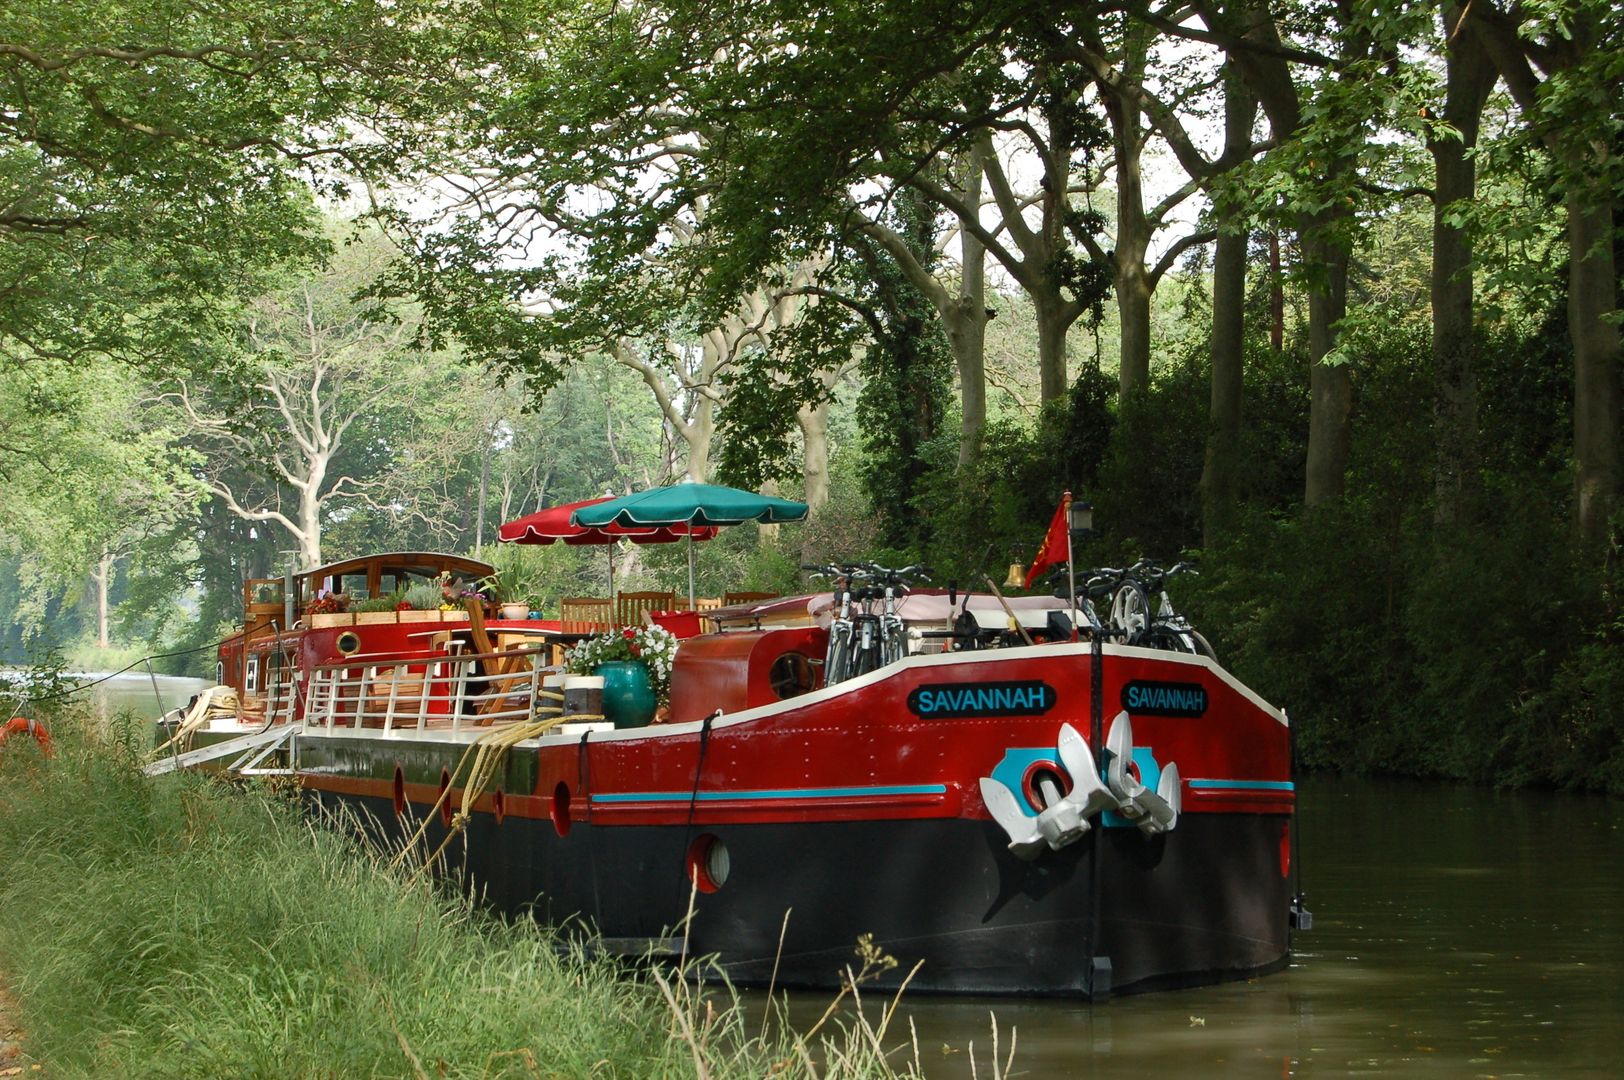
{"points": [[447, 692]]}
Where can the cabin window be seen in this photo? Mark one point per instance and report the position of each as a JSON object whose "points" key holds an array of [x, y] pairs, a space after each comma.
{"points": [[250, 681], [220, 672]]}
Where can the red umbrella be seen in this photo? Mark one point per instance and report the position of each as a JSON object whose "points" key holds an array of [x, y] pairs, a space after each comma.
{"points": [[553, 524]]}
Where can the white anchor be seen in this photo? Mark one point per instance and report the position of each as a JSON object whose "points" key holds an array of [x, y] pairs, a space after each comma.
{"points": [[1155, 812], [1065, 818]]}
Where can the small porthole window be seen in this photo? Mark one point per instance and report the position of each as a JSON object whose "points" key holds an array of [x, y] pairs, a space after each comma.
{"points": [[709, 863], [445, 797], [560, 811], [790, 675]]}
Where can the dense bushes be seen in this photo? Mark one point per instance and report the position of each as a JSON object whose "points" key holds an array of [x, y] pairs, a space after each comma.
{"points": [[1479, 651]]}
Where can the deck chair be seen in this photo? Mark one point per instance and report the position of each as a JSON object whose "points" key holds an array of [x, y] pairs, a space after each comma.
{"points": [[707, 603], [584, 615], [503, 674], [729, 599], [632, 608]]}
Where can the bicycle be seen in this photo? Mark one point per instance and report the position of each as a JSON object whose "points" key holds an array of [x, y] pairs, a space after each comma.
{"points": [[862, 639], [883, 637], [1166, 629]]}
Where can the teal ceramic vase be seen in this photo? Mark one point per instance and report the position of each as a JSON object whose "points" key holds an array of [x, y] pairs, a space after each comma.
{"points": [[628, 696]]}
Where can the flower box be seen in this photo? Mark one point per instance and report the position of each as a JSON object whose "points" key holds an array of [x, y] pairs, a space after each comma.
{"points": [[367, 618], [332, 618], [417, 616]]}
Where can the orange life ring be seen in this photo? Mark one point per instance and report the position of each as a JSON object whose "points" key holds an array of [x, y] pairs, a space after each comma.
{"points": [[21, 725]]}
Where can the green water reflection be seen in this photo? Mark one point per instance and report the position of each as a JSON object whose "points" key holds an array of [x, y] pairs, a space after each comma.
{"points": [[1458, 932]]}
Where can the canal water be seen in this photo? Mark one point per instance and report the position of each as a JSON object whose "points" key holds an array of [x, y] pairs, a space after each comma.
{"points": [[1458, 932]]}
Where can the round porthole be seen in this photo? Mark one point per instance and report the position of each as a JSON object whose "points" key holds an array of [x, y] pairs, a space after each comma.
{"points": [[709, 863], [445, 797], [400, 792], [560, 811], [790, 675], [348, 642]]}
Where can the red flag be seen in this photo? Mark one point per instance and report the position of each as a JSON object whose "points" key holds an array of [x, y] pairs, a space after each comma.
{"points": [[1056, 547]]}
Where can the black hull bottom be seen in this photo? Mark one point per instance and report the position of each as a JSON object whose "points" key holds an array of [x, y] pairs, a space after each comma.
{"points": [[1204, 904]]}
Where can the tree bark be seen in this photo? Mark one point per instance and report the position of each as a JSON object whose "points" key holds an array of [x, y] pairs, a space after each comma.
{"points": [[1592, 302], [1053, 320], [814, 425], [1132, 280], [1218, 475], [101, 576], [967, 324], [1330, 389], [1469, 77]]}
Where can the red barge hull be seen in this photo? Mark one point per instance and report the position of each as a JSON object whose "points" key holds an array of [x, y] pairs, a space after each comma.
{"points": [[860, 809]]}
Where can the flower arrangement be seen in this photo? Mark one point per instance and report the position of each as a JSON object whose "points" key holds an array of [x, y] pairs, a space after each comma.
{"points": [[325, 605], [453, 592], [655, 646]]}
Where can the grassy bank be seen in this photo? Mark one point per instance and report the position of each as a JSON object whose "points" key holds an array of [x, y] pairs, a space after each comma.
{"points": [[184, 928]]}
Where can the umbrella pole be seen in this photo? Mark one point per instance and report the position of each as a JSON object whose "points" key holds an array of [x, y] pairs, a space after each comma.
{"points": [[692, 603], [610, 549]]}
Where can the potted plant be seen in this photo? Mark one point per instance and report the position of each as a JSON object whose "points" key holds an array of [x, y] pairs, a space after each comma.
{"points": [[635, 663], [329, 611], [376, 609], [419, 603]]}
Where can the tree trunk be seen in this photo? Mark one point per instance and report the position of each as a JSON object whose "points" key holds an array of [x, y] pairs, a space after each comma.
{"points": [[1132, 279], [1052, 322], [309, 535], [1592, 303], [698, 433], [1218, 474], [101, 576], [1330, 389], [967, 326], [814, 425], [484, 487], [1133, 311], [1470, 76]]}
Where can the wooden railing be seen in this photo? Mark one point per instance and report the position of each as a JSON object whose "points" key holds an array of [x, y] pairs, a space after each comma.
{"points": [[452, 691]]}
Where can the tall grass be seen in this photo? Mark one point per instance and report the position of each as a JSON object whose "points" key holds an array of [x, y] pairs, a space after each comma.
{"points": [[184, 928]]}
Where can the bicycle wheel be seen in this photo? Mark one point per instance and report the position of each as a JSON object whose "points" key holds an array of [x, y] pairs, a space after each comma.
{"points": [[1203, 647], [837, 661], [1130, 610]]}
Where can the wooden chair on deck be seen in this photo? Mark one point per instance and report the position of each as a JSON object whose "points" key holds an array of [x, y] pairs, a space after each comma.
{"points": [[584, 615], [504, 674], [707, 603], [632, 608], [729, 599]]}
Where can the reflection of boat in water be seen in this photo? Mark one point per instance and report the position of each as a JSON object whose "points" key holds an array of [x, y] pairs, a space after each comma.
{"points": [[1063, 817]]}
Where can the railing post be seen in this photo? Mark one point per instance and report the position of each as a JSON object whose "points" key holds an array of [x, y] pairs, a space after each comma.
{"points": [[397, 670]]}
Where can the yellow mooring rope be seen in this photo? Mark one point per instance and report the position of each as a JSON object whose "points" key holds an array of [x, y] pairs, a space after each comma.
{"points": [[216, 699], [489, 753]]}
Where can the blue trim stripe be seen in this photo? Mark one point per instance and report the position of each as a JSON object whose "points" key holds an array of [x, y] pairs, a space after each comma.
{"points": [[783, 793], [1246, 785]]}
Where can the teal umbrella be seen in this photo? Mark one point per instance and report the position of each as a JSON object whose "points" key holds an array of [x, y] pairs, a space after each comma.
{"points": [[689, 504]]}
